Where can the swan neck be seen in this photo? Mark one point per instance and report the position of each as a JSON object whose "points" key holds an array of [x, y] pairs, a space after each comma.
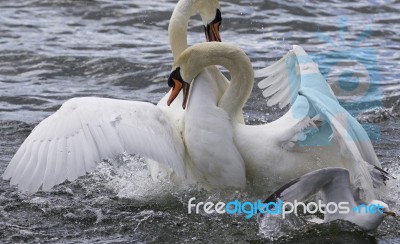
{"points": [[178, 25], [239, 90], [196, 58]]}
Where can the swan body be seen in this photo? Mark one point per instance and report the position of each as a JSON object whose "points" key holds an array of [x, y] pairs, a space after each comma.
{"points": [[335, 187], [208, 124], [177, 32], [202, 123], [208, 135], [292, 145]]}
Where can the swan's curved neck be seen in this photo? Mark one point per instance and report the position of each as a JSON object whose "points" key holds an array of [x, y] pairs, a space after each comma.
{"points": [[178, 25], [196, 58]]}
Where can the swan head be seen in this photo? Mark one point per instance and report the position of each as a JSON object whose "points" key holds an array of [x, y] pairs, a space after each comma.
{"points": [[199, 56], [212, 29], [210, 13], [177, 83], [185, 69]]}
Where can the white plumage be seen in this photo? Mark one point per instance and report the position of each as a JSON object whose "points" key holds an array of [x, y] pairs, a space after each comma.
{"points": [[315, 133], [296, 75], [86, 130]]}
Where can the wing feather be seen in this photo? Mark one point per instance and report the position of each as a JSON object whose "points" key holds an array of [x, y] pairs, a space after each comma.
{"points": [[15, 163], [40, 167], [281, 80], [296, 75], [84, 131], [26, 173], [278, 98], [91, 153], [50, 169], [60, 172], [50, 157], [267, 71]]}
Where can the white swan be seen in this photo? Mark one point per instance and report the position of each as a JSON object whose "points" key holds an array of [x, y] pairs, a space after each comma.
{"points": [[84, 131], [210, 166], [177, 32], [336, 188], [282, 150]]}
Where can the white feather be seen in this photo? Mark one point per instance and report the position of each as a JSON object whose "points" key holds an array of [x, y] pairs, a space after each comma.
{"points": [[84, 131]]}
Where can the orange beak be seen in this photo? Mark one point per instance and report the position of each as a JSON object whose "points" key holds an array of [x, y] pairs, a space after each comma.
{"points": [[212, 30], [176, 89]]}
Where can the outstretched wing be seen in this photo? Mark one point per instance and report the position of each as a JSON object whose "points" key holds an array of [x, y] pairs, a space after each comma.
{"points": [[334, 183], [284, 79], [296, 75], [70, 142]]}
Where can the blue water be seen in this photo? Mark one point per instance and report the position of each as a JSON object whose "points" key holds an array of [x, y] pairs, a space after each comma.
{"points": [[51, 51]]}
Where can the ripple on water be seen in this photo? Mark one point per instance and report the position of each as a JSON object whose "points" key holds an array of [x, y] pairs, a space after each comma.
{"points": [[51, 51]]}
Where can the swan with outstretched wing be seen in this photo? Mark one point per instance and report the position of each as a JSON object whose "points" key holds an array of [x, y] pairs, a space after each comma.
{"points": [[297, 75], [315, 133], [85, 131]]}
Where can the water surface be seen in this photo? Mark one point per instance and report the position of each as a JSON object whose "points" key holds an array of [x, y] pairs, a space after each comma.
{"points": [[51, 51]]}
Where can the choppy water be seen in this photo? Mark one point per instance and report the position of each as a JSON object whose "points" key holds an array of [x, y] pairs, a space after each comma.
{"points": [[51, 51]]}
